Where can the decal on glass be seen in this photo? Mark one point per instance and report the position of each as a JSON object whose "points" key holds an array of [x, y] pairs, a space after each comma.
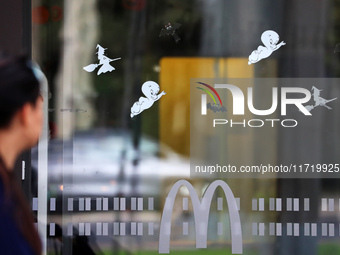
{"points": [[150, 89], [201, 209], [104, 62], [318, 100], [171, 30], [270, 40]]}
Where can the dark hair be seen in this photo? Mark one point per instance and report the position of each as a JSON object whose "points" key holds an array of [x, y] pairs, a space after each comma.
{"points": [[18, 86]]}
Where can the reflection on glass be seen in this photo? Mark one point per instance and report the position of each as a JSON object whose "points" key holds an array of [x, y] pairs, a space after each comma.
{"points": [[109, 174]]}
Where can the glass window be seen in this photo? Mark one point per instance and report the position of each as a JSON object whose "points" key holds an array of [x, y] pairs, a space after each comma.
{"points": [[126, 122]]}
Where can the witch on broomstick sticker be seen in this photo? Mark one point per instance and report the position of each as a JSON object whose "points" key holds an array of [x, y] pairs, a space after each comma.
{"points": [[104, 62]]}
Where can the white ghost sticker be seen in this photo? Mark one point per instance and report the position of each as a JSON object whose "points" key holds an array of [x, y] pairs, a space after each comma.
{"points": [[150, 89], [270, 40]]}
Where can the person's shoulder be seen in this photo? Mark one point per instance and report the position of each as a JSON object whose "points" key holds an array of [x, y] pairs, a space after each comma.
{"points": [[11, 240], [2, 192], [4, 203]]}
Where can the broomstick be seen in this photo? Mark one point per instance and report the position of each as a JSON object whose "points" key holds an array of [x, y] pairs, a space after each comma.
{"points": [[91, 67]]}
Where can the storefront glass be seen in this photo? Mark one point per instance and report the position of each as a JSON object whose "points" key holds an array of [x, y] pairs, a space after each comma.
{"points": [[122, 128]]}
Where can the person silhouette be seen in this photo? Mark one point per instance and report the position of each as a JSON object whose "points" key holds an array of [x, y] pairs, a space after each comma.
{"points": [[20, 128]]}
